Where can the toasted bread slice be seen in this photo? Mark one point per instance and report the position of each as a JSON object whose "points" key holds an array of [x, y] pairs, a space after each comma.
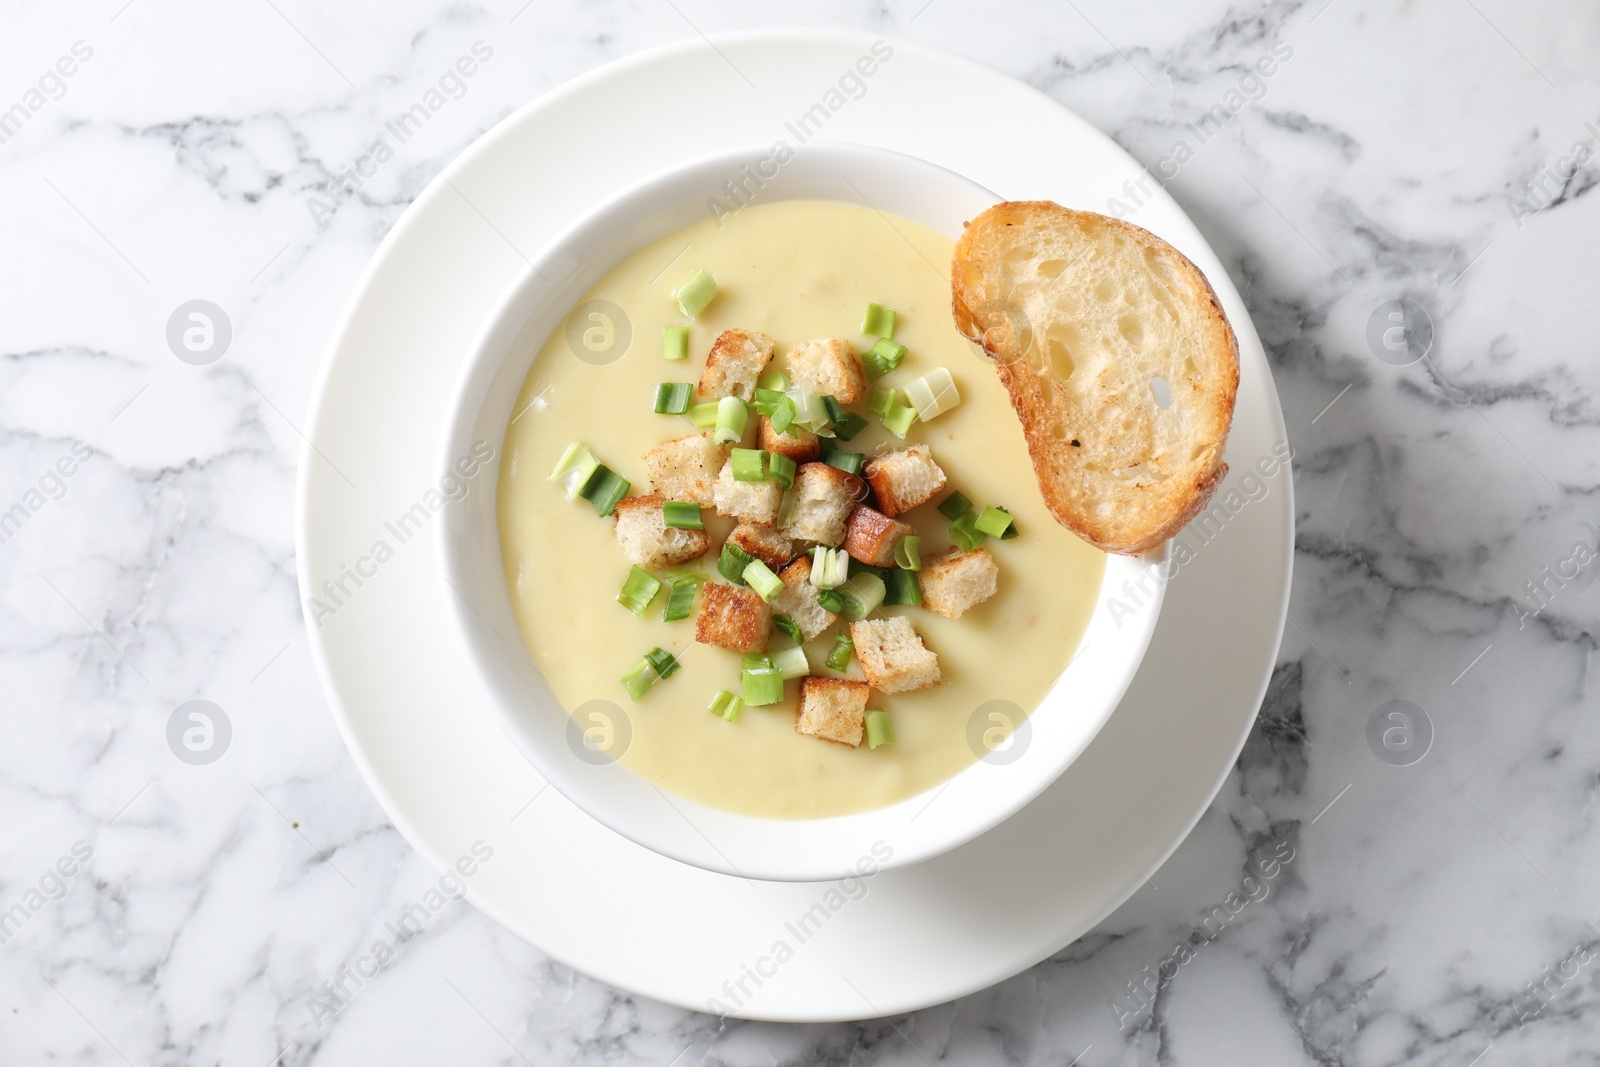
{"points": [[1119, 362]]}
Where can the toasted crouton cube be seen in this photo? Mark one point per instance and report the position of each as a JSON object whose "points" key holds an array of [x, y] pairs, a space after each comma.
{"points": [[958, 580], [733, 617], [892, 655], [799, 444], [753, 502], [871, 537], [736, 360], [685, 469], [830, 366], [646, 539], [772, 547], [798, 599], [832, 709], [823, 497], [904, 478]]}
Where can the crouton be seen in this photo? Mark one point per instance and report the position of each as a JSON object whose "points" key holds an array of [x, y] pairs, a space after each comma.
{"points": [[753, 502], [871, 537], [832, 709], [823, 497], [904, 478], [798, 599], [770, 546], [799, 443], [732, 617], [685, 469], [958, 580], [646, 539], [893, 656], [736, 360], [829, 366]]}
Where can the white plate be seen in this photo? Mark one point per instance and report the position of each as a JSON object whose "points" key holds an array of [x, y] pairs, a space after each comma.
{"points": [[426, 741]]}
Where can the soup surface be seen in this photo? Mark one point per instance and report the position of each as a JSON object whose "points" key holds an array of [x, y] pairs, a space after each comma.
{"points": [[795, 270]]}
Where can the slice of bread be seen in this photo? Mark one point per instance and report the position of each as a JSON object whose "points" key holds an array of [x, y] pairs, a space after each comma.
{"points": [[1119, 362]]}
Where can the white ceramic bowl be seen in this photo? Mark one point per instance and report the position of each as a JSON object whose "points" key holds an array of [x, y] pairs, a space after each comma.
{"points": [[975, 800]]}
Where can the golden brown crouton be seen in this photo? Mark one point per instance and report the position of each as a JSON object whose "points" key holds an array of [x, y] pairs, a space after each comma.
{"points": [[736, 360], [832, 709], [892, 656], [830, 366], [823, 497], [685, 469], [646, 539], [799, 444], [904, 478], [870, 536], [770, 546], [958, 580], [733, 617], [798, 599], [752, 502]]}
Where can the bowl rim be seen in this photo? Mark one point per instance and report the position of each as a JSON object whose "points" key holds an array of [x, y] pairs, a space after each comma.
{"points": [[466, 619]]}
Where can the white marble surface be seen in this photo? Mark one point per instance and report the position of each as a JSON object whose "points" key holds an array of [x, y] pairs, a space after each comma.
{"points": [[1397, 150]]}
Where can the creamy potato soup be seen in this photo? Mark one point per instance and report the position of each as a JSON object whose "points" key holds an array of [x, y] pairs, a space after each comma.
{"points": [[795, 271]]}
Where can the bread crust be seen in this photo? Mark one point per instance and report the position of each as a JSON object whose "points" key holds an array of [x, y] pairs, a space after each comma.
{"points": [[1146, 515]]}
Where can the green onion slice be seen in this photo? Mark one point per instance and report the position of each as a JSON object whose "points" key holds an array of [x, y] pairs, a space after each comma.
{"points": [[835, 410], [954, 506], [861, 595], [674, 342], [902, 588], [965, 533], [731, 417], [704, 415], [754, 661], [883, 357], [761, 686], [748, 464], [682, 515], [773, 380], [899, 418], [849, 426], [791, 663], [780, 468], [790, 627], [604, 488], [680, 599], [784, 416], [879, 730], [640, 588], [829, 567], [574, 469], [726, 706], [1011, 531], [656, 665], [733, 561], [839, 655], [849, 462], [665, 663], [994, 522], [880, 399], [878, 320], [672, 398], [905, 553], [767, 400], [830, 600], [933, 394], [693, 295], [809, 409], [759, 576]]}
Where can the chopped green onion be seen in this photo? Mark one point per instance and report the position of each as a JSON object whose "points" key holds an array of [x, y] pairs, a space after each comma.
{"points": [[784, 416], [861, 595], [879, 730], [880, 399], [754, 661], [640, 588], [663, 661], [994, 522], [747, 464], [693, 295], [704, 415], [731, 417], [773, 380], [933, 394], [849, 462], [883, 357], [761, 686], [672, 398], [726, 706], [780, 468], [790, 627], [830, 600], [843, 649], [574, 469], [835, 410], [809, 409], [759, 576], [1011, 531], [682, 515], [674, 342], [849, 426], [905, 553], [680, 599], [878, 320], [767, 400], [791, 663], [902, 588], [733, 562], [965, 533], [954, 506], [604, 488], [829, 567], [899, 418], [656, 665]]}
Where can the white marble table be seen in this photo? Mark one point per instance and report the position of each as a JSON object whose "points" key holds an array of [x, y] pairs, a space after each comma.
{"points": [[155, 911]]}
